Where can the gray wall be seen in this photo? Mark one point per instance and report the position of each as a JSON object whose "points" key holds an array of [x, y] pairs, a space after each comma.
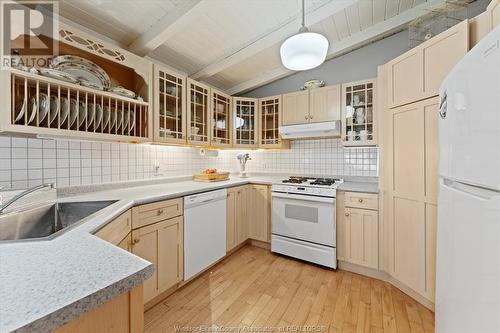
{"points": [[359, 64]]}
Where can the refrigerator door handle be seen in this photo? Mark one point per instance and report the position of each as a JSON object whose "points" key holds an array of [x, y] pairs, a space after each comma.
{"points": [[477, 192]]}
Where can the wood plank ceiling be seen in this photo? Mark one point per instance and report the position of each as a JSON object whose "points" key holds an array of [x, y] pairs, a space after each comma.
{"points": [[234, 44]]}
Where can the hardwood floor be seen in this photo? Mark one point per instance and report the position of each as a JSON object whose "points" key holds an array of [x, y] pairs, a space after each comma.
{"points": [[255, 288]]}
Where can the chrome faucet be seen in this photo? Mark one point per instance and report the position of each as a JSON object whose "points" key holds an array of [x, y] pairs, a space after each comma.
{"points": [[25, 193]]}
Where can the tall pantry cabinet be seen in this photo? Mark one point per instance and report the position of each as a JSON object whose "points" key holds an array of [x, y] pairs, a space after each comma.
{"points": [[409, 158]]}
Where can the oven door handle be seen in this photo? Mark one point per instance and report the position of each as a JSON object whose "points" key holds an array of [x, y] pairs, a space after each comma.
{"points": [[302, 197]]}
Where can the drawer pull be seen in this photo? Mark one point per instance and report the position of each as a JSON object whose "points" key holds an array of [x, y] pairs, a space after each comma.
{"points": [[346, 214], [135, 241], [160, 211], [360, 200]]}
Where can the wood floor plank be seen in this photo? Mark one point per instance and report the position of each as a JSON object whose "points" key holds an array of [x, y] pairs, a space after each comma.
{"points": [[254, 288]]}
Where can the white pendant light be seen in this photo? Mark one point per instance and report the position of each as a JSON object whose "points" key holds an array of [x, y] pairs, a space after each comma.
{"points": [[304, 50]]}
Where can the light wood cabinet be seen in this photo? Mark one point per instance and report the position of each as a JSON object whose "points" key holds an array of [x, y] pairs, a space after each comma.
{"points": [[221, 124], [105, 115], [410, 156], [270, 111], [358, 229], [237, 206], [359, 116], [122, 314], [198, 113], [241, 215], [231, 217], [312, 105], [117, 230], [169, 106], [494, 9], [426, 65], [162, 244], [362, 237], [296, 108], [245, 122], [324, 104], [259, 213]]}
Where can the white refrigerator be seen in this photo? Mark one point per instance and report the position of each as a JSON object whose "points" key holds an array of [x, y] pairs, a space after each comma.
{"points": [[468, 236]]}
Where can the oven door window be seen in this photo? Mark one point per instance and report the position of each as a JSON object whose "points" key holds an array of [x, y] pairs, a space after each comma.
{"points": [[302, 213]]}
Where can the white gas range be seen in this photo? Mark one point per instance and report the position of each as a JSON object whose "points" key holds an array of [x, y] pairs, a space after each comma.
{"points": [[303, 219]]}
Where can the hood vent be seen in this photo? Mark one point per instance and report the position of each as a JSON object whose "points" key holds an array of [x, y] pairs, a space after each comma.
{"points": [[313, 130]]}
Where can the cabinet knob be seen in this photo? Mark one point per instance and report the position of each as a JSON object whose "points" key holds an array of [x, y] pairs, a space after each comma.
{"points": [[306, 117], [346, 214], [160, 211], [360, 200], [311, 117], [135, 241]]}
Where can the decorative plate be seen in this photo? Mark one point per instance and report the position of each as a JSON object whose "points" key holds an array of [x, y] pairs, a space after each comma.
{"points": [[311, 84], [81, 67], [84, 82], [122, 92], [57, 74]]}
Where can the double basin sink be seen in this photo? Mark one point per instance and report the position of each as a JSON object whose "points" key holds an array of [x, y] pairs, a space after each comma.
{"points": [[46, 221]]}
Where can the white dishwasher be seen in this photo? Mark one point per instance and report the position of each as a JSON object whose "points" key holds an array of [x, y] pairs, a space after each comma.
{"points": [[204, 230]]}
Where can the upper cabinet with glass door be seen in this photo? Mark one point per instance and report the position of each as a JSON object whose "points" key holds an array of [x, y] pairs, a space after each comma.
{"points": [[358, 113], [198, 113], [270, 121], [170, 106], [245, 121], [221, 119]]}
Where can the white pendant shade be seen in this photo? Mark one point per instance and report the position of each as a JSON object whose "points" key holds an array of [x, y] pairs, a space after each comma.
{"points": [[304, 51]]}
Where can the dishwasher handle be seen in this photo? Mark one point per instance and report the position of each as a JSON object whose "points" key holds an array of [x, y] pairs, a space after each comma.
{"points": [[204, 198]]}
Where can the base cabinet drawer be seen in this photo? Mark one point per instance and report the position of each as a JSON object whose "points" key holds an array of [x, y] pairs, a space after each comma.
{"points": [[361, 200], [157, 211]]}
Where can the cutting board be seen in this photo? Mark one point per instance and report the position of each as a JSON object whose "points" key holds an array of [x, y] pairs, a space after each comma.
{"points": [[211, 177]]}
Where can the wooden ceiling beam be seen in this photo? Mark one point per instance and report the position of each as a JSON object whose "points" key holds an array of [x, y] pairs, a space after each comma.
{"points": [[163, 29]]}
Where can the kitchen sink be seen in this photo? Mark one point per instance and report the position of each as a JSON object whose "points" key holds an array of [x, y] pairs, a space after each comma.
{"points": [[44, 221]]}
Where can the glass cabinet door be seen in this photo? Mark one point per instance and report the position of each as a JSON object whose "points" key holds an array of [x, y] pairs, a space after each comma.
{"points": [[221, 119], [245, 122], [198, 113], [359, 127], [270, 120], [170, 106]]}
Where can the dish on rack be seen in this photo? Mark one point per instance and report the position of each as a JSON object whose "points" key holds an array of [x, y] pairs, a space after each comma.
{"points": [[81, 113], [33, 106], [119, 120], [64, 108], [81, 68], [122, 92], [73, 111], [54, 108], [98, 115], [90, 114], [57, 74], [44, 107], [86, 83], [131, 122], [20, 109]]}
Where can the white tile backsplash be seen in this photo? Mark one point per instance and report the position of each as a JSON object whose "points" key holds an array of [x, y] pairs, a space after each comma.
{"points": [[27, 162]]}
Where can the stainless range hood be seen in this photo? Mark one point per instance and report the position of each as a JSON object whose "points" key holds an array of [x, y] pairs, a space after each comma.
{"points": [[312, 130]]}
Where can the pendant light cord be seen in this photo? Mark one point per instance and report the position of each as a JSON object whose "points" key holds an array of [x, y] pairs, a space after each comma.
{"points": [[303, 14]]}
